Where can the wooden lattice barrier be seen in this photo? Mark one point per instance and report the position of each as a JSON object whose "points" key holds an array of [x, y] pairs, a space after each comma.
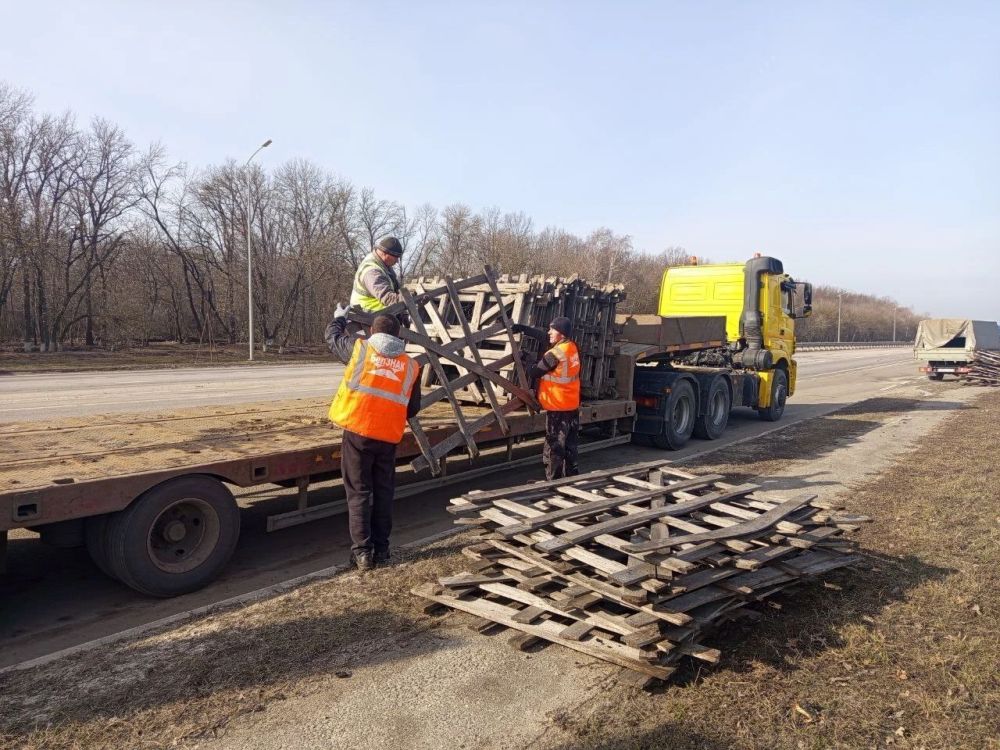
{"points": [[460, 332], [533, 301], [984, 369], [637, 565], [456, 362]]}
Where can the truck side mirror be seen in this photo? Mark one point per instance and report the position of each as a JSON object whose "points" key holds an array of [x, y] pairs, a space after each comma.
{"points": [[803, 292]]}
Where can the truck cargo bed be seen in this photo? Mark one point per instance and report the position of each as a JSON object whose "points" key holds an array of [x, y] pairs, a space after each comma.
{"points": [[77, 467]]}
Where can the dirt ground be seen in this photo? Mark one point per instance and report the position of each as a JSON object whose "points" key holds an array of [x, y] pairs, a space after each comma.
{"points": [[154, 356], [902, 654]]}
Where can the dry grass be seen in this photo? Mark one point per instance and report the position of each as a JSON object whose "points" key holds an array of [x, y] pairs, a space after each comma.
{"points": [[155, 356], [903, 655], [806, 441], [190, 682]]}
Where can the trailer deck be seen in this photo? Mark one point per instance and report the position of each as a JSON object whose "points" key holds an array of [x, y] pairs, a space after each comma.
{"points": [[72, 468]]}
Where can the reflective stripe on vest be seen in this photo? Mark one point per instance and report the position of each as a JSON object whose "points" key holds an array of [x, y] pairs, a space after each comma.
{"points": [[360, 296], [559, 390], [374, 394]]}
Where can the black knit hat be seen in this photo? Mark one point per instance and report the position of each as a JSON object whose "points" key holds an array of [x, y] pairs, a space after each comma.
{"points": [[390, 245], [563, 325]]}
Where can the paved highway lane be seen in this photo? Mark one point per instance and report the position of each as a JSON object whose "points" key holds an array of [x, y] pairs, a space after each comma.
{"points": [[25, 398], [49, 396], [56, 598]]}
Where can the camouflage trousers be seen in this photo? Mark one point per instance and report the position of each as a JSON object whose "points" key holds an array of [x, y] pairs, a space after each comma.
{"points": [[560, 453]]}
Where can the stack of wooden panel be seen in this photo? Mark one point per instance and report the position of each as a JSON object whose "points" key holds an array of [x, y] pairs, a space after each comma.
{"points": [[533, 301], [637, 565], [984, 369]]}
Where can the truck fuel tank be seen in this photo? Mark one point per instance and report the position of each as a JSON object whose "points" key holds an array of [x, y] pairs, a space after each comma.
{"points": [[674, 332]]}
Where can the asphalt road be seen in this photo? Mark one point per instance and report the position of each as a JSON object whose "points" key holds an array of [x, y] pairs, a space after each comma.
{"points": [[56, 598], [27, 397]]}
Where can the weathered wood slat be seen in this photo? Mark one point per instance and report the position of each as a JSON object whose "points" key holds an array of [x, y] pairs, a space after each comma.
{"points": [[630, 521], [487, 383], [479, 499], [600, 504], [435, 362], [595, 646], [762, 522]]}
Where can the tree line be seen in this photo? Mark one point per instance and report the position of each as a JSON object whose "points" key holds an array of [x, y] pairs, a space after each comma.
{"points": [[109, 245], [862, 317]]}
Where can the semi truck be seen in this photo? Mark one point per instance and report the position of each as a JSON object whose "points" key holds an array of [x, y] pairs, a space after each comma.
{"points": [[948, 346], [150, 496]]}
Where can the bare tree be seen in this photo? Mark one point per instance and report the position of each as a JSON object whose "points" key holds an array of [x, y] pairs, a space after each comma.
{"points": [[421, 240], [459, 228], [167, 201], [52, 242], [379, 217], [15, 154], [104, 192]]}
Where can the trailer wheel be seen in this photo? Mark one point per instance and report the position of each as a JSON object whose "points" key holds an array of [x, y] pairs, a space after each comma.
{"points": [[713, 422], [779, 394], [678, 423], [95, 539], [174, 538]]}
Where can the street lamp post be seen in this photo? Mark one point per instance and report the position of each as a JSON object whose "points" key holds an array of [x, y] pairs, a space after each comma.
{"points": [[246, 169], [840, 299]]}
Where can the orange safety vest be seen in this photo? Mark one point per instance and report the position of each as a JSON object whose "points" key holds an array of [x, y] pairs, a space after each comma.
{"points": [[373, 395], [559, 390]]}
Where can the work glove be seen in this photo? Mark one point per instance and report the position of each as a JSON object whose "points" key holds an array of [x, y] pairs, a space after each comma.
{"points": [[518, 328], [340, 312], [422, 299]]}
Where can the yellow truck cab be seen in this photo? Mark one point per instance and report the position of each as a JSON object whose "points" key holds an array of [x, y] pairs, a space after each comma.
{"points": [[760, 304]]}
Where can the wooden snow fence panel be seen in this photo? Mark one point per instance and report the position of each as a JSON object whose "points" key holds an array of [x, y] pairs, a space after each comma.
{"points": [[637, 565], [450, 348], [461, 333], [984, 369], [534, 301]]}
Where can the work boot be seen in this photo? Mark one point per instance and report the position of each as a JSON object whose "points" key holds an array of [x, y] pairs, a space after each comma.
{"points": [[363, 560], [382, 556]]}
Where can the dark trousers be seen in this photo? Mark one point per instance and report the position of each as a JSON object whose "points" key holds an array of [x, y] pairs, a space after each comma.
{"points": [[369, 470], [560, 453]]}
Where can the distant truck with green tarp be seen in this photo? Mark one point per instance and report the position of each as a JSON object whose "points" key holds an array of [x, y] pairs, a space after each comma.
{"points": [[948, 346]]}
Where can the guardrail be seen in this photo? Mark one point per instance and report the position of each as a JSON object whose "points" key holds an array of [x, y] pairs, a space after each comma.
{"points": [[818, 346]]}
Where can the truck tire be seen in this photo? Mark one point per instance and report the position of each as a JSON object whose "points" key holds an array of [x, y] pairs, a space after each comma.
{"points": [[175, 538], [678, 423], [711, 424], [935, 376], [95, 539], [779, 394]]}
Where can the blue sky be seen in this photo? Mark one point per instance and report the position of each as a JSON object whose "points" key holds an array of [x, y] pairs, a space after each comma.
{"points": [[859, 142]]}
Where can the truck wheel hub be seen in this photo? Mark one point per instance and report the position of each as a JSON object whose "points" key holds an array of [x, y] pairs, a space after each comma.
{"points": [[184, 535], [175, 531]]}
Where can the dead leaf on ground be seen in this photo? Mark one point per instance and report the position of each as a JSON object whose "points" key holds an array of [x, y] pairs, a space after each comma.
{"points": [[802, 712]]}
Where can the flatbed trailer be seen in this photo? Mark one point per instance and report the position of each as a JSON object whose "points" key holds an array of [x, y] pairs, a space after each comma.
{"points": [[149, 494], [67, 479]]}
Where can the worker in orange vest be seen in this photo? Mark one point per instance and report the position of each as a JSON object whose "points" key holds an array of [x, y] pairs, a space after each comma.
{"points": [[558, 374], [379, 392]]}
